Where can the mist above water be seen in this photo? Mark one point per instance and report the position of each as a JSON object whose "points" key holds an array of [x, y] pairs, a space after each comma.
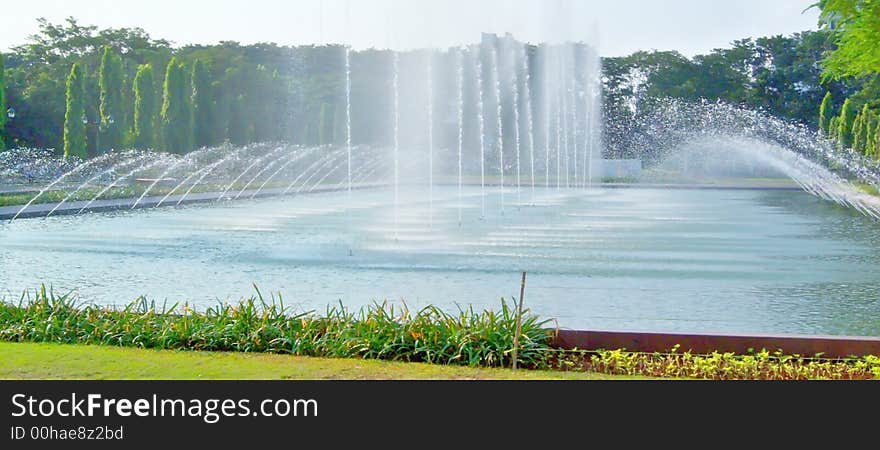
{"points": [[716, 139]]}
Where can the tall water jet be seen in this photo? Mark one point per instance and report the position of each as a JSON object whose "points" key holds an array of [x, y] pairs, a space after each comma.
{"points": [[563, 95], [460, 76], [481, 121], [574, 115], [515, 79], [558, 95], [500, 120], [527, 94], [590, 111], [545, 100], [430, 78], [348, 112], [395, 87]]}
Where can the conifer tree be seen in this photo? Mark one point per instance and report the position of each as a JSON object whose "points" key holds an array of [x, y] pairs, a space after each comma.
{"points": [[845, 124], [202, 107], [2, 104], [825, 113], [176, 115], [858, 143], [74, 128], [876, 139], [112, 116], [871, 139], [144, 130]]}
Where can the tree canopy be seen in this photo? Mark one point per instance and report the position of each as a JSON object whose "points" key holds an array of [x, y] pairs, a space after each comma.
{"points": [[856, 27]]}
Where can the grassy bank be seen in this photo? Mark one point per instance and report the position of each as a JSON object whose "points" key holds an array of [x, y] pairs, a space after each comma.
{"points": [[381, 331], [226, 339], [25, 361]]}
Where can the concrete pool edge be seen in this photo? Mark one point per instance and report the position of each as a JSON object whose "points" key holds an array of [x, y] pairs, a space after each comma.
{"points": [[72, 208], [834, 347]]}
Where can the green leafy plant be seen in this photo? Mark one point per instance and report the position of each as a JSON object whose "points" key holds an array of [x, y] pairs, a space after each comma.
{"points": [[379, 331]]}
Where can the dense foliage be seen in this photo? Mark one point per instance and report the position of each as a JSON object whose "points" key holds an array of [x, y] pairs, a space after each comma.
{"points": [[857, 26], [112, 117], [264, 92], [377, 332], [778, 75], [384, 332], [144, 126], [854, 27], [241, 93], [759, 365], [175, 116], [74, 117], [3, 114]]}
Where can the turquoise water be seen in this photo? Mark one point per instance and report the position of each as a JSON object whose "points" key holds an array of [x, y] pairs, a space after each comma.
{"points": [[730, 261]]}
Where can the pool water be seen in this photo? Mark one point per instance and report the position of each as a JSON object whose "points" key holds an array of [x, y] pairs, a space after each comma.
{"points": [[638, 259]]}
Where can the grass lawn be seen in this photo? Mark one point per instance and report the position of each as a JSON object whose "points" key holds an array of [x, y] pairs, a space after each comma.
{"points": [[59, 362]]}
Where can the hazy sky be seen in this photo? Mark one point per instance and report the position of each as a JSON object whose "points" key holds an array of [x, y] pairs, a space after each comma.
{"points": [[618, 26]]}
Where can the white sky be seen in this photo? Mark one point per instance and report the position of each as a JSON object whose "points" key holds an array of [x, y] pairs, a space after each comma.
{"points": [[618, 26]]}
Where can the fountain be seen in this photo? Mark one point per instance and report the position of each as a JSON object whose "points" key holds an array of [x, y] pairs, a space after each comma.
{"points": [[391, 207], [481, 119]]}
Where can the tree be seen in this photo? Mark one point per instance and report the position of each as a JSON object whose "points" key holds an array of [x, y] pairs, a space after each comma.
{"points": [[144, 107], [857, 132], [834, 127], [860, 129], [876, 139], [871, 139], [845, 125], [176, 115], [2, 103], [825, 113], [202, 107], [111, 109], [857, 32], [74, 128]]}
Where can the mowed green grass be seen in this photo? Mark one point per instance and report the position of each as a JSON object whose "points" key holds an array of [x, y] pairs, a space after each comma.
{"points": [[81, 362]]}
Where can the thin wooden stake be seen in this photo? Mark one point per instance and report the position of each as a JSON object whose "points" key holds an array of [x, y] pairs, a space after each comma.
{"points": [[519, 308]]}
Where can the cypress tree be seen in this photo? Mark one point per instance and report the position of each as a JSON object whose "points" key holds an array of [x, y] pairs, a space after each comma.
{"points": [[834, 128], [144, 107], [845, 124], [110, 86], [2, 103], [871, 138], [825, 114], [202, 109], [866, 119], [74, 128], [176, 115], [857, 142], [877, 139]]}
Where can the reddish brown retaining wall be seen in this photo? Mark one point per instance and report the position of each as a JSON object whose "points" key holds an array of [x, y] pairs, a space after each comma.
{"points": [[828, 346]]}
